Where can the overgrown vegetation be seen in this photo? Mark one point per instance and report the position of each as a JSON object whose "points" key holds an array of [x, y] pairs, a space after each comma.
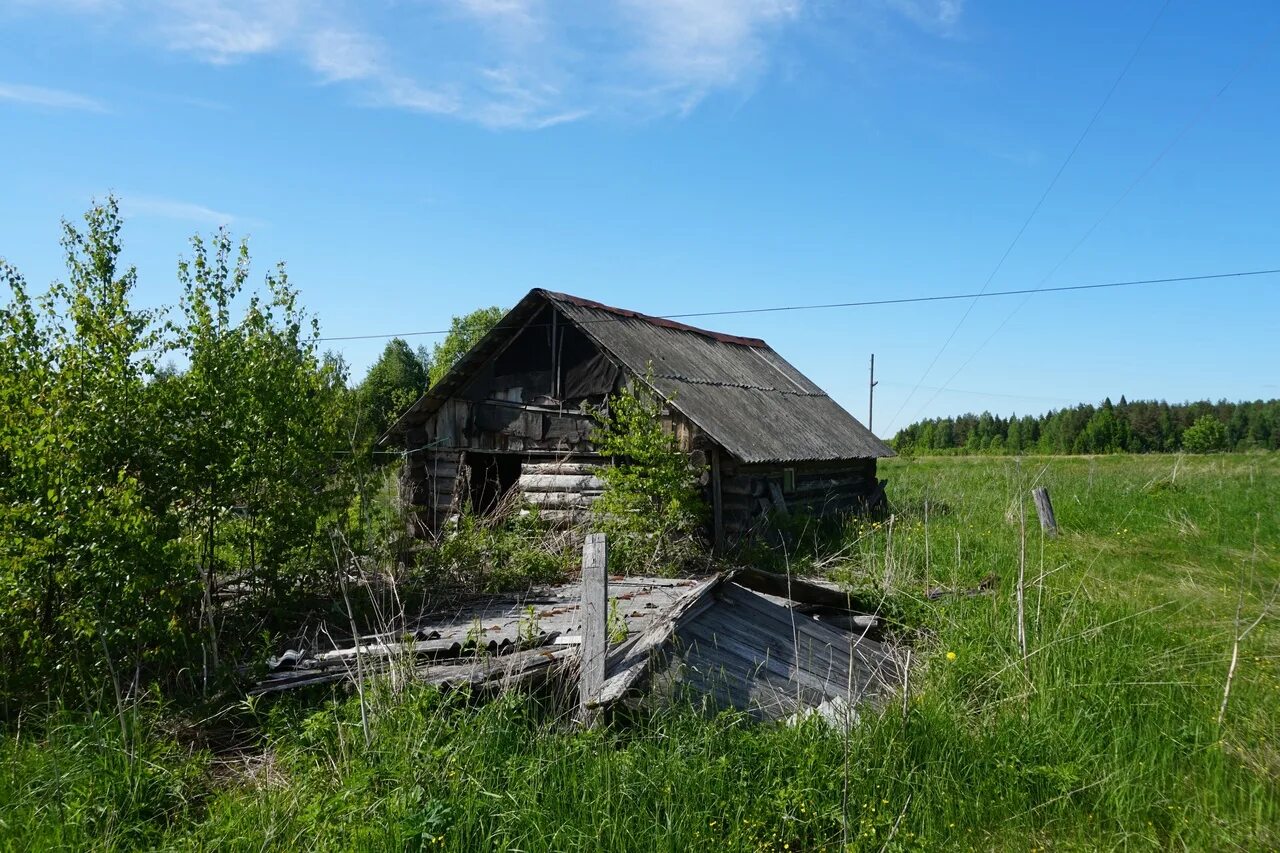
{"points": [[131, 491], [157, 524], [179, 482], [464, 333], [1141, 426], [651, 509], [501, 551], [1108, 734]]}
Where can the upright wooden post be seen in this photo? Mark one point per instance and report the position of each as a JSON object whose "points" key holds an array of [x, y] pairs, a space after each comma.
{"points": [[1044, 509], [595, 630], [717, 502], [871, 393], [1020, 590]]}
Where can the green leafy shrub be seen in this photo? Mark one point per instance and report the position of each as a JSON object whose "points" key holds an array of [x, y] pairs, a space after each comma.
{"points": [[652, 508], [1206, 435], [86, 584], [133, 494]]}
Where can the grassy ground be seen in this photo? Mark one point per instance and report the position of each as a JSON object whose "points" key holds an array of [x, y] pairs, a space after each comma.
{"points": [[1106, 735]]}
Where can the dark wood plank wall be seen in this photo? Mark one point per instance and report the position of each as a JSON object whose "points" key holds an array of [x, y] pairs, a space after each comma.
{"points": [[751, 493]]}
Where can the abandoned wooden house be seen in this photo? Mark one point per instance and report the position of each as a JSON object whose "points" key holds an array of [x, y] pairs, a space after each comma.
{"points": [[515, 413]]}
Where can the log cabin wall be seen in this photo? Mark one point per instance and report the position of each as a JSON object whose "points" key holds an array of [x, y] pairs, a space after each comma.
{"points": [[432, 486], [563, 491], [751, 493]]}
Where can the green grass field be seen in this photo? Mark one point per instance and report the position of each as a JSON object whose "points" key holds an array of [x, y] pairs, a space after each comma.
{"points": [[1106, 735]]}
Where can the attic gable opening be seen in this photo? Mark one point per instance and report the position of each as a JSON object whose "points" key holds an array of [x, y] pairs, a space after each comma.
{"points": [[549, 362]]}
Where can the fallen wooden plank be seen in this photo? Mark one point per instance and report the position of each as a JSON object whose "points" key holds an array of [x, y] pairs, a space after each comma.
{"points": [[804, 590]]}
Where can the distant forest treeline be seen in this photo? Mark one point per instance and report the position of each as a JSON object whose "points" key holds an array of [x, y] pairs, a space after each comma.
{"points": [[1141, 426]]}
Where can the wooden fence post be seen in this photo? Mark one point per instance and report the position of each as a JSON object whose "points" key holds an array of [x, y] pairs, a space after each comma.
{"points": [[1044, 509], [595, 630]]}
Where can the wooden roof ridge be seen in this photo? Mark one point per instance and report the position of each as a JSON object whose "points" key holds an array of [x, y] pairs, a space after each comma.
{"points": [[661, 322]]}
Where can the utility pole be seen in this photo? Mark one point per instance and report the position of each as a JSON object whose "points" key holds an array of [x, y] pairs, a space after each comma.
{"points": [[871, 392]]}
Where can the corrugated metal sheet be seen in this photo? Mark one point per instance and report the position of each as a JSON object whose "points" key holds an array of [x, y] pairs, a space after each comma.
{"points": [[759, 656], [739, 391]]}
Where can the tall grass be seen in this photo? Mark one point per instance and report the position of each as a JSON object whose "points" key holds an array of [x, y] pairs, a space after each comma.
{"points": [[1104, 736]]}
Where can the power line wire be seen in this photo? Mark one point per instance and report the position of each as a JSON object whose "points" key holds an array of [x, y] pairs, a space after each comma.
{"points": [[1036, 209], [1177, 137], [867, 303], [985, 393]]}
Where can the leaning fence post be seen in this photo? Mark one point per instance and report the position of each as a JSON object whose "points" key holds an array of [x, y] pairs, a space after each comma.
{"points": [[1044, 509], [595, 615]]}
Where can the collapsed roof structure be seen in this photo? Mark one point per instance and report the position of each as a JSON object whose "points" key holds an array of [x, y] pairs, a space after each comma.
{"points": [[747, 640]]}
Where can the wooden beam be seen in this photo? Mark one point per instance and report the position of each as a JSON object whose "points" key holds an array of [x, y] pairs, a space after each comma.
{"points": [[595, 630], [717, 502], [775, 493], [560, 483], [817, 591]]}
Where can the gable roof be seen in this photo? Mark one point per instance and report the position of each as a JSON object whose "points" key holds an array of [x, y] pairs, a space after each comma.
{"points": [[745, 396]]}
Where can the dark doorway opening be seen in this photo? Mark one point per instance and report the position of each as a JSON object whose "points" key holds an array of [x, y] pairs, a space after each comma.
{"points": [[493, 475]]}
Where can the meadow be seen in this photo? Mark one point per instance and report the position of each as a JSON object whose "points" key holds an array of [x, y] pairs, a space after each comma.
{"points": [[1156, 602]]}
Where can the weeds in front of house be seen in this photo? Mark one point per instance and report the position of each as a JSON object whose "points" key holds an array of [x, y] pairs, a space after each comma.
{"points": [[1104, 735]]}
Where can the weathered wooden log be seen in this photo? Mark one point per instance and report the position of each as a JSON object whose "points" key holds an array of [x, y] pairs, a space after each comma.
{"points": [[735, 486], [560, 483], [561, 500], [578, 468], [808, 487], [1044, 509], [564, 517]]}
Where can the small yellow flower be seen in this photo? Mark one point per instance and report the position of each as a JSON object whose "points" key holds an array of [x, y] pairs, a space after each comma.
{"points": [[951, 655]]}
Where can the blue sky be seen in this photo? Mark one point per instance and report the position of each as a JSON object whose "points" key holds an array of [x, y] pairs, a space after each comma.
{"points": [[414, 159]]}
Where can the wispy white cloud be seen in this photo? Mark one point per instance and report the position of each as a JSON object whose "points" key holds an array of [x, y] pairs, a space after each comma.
{"points": [[940, 16], [167, 208], [503, 63], [57, 99], [704, 43], [220, 31], [338, 55]]}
